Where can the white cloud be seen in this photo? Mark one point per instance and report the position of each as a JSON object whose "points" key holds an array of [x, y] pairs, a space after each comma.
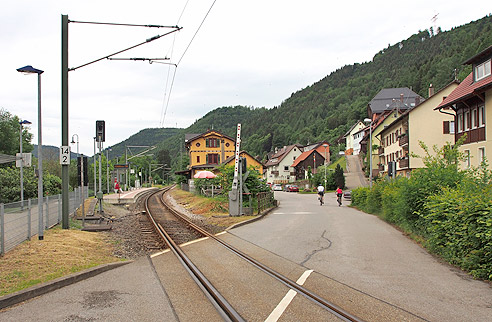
{"points": [[253, 53]]}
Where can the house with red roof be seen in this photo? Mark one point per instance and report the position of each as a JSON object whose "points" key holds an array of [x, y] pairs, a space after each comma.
{"points": [[471, 102], [308, 159], [279, 166]]}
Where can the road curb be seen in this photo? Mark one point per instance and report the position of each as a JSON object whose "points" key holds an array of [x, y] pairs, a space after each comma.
{"points": [[263, 214], [37, 290]]}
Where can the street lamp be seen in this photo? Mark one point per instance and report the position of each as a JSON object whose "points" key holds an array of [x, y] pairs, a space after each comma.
{"points": [[325, 146], [22, 162], [30, 70], [370, 150]]}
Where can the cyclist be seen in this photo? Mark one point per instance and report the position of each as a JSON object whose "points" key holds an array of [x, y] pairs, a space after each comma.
{"points": [[339, 193], [321, 193]]}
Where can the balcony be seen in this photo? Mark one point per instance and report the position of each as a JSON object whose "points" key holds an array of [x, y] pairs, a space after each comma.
{"points": [[403, 163], [403, 141], [275, 173], [381, 150], [381, 168]]}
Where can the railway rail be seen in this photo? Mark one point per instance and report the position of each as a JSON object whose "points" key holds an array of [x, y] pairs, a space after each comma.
{"points": [[175, 228]]}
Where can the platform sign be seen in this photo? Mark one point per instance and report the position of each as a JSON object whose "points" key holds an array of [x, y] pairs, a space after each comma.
{"points": [[65, 155]]}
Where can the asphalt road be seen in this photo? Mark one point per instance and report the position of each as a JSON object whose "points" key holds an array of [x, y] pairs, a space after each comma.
{"points": [[367, 254]]}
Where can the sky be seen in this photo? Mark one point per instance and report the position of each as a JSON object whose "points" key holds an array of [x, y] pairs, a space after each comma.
{"points": [[228, 53]]}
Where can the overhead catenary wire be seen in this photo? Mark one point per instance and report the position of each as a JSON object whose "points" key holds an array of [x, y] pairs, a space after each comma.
{"points": [[181, 58]]}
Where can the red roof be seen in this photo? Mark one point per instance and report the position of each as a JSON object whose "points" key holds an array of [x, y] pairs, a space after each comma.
{"points": [[466, 89], [303, 156]]}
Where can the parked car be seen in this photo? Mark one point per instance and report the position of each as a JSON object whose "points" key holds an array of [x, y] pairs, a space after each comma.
{"points": [[286, 187], [293, 188], [277, 187], [347, 195]]}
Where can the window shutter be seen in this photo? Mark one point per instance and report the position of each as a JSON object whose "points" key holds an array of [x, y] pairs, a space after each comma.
{"points": [[445, 127]]}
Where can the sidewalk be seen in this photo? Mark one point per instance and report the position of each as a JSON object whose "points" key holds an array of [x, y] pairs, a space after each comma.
{"points": [[130, 292], [125, 196]]}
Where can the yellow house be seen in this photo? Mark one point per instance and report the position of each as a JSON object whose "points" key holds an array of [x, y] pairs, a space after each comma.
{"points": [[401, 139], [207, 150], [250, 161]]}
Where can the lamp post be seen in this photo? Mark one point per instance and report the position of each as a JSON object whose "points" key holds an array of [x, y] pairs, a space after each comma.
{"points": [[326, 147], [370, 150], [30, 70], [22, 162]]}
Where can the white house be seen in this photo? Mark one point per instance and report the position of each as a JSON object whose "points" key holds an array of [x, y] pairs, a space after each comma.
{"points": [[279, 167]]}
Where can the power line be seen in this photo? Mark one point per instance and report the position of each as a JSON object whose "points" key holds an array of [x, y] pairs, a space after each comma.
{"points": [[210, 9], [179, 61]]}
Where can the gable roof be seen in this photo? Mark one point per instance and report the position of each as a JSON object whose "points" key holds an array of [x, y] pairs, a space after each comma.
{"points": [[406, 113], [232, 157], [304, 155], [467, 89], [191, 137], [389, 98], [352, 128], [281, 154]]}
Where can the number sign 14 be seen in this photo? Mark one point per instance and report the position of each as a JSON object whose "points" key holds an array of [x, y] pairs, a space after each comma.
{"points": [[65, 155]]}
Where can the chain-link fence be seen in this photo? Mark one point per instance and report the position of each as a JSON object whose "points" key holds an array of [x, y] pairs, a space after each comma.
{"points": [[19, 221]]}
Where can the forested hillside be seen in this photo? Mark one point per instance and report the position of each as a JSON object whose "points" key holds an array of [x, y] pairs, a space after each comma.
{"points": [[326, 109]]}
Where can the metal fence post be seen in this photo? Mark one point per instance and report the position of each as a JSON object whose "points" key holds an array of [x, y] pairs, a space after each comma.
{"points": [[2, 230], [59, 209], [29, 219], [47, 221]]}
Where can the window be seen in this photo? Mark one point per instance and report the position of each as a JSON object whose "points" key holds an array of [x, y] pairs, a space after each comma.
{"points": [[460, 123], [481, 154], [481, 116], [197, 159], [482, 70], [212, 143], [213, 158], [474, 118], [286, 168], [467, 158], [447, 127], [467, 120]]}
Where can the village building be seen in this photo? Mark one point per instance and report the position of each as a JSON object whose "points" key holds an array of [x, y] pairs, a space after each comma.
{"points": [[471, 102], [279, 167], [400, 140], [207, 150]]}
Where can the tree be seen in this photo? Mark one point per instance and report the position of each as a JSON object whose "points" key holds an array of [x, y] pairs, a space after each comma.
{"points": [[9, 134]]}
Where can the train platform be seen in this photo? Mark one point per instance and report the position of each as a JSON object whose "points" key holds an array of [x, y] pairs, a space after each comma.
{"points": [[123, 291], [125, 197]]}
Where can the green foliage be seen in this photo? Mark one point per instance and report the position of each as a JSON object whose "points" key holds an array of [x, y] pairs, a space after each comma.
{"points": [[449, 207], [338, 177], [9, 134], [226, 177]]}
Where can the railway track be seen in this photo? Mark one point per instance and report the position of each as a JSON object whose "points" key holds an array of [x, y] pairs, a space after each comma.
{"points": [[175, 228]]}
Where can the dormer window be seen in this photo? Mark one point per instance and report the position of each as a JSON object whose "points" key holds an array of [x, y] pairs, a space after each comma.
{"points": [[483, 70]]}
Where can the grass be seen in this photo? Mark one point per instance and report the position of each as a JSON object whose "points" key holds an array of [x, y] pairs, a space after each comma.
{"points": [[62, 252], [216, 210], [66, 251]]}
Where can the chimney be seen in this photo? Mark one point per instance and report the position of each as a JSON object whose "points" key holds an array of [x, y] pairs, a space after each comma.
{"points": [[401, 98], [417, 100], [431, 90]]}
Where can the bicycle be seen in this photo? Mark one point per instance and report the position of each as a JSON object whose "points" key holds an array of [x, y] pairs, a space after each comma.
{"points": [[339, 199]]}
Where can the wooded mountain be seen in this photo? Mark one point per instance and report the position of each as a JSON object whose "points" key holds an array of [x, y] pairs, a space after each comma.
{"points": [[326, 109]]}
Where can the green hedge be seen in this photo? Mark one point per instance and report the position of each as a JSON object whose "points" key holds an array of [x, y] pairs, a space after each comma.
{"points": [[449, 208]]}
